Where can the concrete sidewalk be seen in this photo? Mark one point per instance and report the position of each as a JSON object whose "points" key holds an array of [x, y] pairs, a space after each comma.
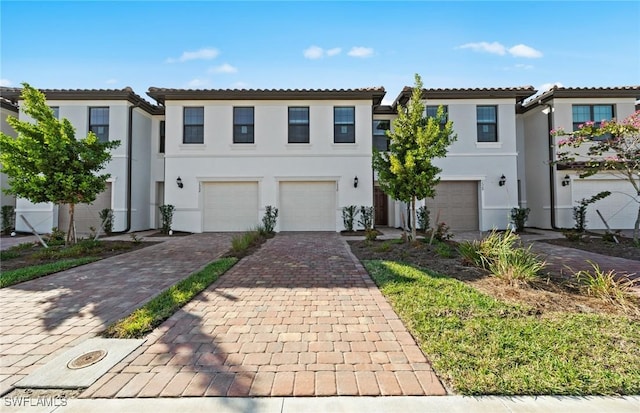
{"points": [[401, 404]]}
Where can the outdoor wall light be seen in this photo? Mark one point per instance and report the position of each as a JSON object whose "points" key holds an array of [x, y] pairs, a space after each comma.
{"points": [[355, 182], [179, 182], [502, 180], [566, 180]]}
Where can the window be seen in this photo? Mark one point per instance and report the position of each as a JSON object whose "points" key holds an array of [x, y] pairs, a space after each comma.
{"points": [[243, 125], [56, 112], [193, 125], [161, 149], [487, 118], [592, 113], [432, 112], [99, 123], [344, 124], [380, 139], [298, 125]]}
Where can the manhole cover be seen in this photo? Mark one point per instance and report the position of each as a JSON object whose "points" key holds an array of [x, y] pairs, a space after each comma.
{"points": [[87, 359]]}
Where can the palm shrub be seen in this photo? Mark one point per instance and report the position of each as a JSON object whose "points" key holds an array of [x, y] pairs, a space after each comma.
{"points": [[519, 217], [8, 219], [270, 218], [366, 217], [423, 218], [167, 217], [106, 216], [349, 216]]}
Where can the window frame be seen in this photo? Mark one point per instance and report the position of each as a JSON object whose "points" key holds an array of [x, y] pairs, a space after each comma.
{"points": [[162, 136], [56, 111], [575, 125], [189, 126], [250, 131], [350, 135], [479, 124], [92, 125], [380, 135], [304, 126]]}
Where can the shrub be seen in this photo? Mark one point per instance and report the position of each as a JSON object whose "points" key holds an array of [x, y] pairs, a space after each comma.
{"points": [[242, 242], [135, 238], [366, 217], [8, 219], [442, 232], [423, 218], [106, 216], [348, 216], [519, 217], [573, 235], [580, 211], [269, 219], [370, 234], [167, 217], [608, 286], [56, 237]]}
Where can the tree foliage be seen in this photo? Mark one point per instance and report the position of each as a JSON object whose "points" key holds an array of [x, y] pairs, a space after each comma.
{"points": [[406, 172], [46, 163], [611, 146]]}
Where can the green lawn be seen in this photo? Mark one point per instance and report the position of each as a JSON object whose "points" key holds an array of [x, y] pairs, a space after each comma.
{"points": [[480, 345], [19, 275]]}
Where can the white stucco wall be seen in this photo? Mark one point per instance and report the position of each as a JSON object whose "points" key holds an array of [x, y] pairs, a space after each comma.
{"points": [[141, 170], [7, 130], [269, 160]]}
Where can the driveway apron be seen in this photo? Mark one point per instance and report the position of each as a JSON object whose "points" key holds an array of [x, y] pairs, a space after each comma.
{"points": [[42, 318], [300, 317]]}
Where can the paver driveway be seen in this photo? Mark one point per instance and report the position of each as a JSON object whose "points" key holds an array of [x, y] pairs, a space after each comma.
{"points": [[42, 318], [299, 317]]}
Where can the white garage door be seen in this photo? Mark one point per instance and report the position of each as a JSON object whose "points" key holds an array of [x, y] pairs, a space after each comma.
{"points": [[618, 209], [457, 202], [230, 206], [308, 206], [86, 215]]}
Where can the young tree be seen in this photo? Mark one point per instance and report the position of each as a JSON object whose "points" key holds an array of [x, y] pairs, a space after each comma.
{"points": [[46, 163], [406, 172], [612, 147]]}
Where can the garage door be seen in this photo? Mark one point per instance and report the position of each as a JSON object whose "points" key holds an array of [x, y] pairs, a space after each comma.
{"points": [[230, 206], [308, 206], [618, 209], [86, 215], [457, 202]]}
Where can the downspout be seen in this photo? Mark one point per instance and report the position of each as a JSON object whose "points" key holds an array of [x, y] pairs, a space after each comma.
{"points": [[552, 180], [129, 168]]}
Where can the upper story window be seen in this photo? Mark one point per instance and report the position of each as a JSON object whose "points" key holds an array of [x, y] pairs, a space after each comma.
{"points": [[432, 112], [193, 125], [487, 118], [344, 124], [56, 112], [298, 125], [380, 139], [99, 123], [591, 113], [162, 138], [243, 125]]}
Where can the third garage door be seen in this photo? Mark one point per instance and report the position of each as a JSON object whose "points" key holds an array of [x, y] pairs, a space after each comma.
{"points": [[230, 206], [457, 202], [308, 206]]}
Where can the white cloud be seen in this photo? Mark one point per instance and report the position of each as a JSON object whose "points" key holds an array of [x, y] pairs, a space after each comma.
{"points": [[494, 48], [224, 68], [111, 81], [523, 66], [313, 52], [202, 54], [334, 51], [197, 83], [360, 52], [5, 82], [522, 50]]}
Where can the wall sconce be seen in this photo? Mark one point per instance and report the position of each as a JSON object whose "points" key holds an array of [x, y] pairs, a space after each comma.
{"points": [[502, 180], [566, 180], [355, 182], [179, 182]]}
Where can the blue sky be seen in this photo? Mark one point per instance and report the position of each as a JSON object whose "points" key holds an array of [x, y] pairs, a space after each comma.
{"points": [[208, 44]]}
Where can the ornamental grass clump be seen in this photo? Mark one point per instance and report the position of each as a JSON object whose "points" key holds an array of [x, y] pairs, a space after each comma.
{"points": [[606, 285]]}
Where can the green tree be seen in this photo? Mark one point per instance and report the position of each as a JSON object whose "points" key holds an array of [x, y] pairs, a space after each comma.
{"points": [[46, 163], [611, 147], [406, 172]]}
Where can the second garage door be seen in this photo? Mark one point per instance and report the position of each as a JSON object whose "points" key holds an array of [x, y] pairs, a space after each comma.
{"points": [[308, 206], [457, 202], [230, 206]]}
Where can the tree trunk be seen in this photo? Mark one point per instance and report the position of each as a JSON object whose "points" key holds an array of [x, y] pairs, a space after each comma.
{"points": [[71, 236], [636, 228], [413, 219]]}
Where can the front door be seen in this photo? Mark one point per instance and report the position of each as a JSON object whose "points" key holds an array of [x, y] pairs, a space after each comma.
{"points": [[381, 205]]}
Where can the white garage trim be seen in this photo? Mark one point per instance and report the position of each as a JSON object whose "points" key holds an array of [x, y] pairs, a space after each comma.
{"points": [[307, 205], [229, 206]]}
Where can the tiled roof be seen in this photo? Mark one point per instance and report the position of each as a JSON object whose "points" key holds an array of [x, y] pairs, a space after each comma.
{"points": [[161, 94], [7, 104], [585, 92], [519, 93], [127, 93]]}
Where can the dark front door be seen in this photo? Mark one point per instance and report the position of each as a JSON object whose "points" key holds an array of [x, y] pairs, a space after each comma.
{"points": [[380, 205]]}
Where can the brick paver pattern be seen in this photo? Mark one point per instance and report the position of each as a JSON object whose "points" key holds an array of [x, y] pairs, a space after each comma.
{"points": [[300, 317], [42, 318]]}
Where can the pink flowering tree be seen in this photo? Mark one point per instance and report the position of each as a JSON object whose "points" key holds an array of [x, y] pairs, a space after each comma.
{"points": [[610, 146]]}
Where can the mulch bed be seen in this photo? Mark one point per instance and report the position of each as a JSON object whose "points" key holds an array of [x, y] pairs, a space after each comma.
{"points": [[595, 243]]}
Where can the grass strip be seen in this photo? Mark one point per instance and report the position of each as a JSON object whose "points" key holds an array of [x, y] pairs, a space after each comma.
{"points": [[480, 345], [19, 275], [143, 320]]}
